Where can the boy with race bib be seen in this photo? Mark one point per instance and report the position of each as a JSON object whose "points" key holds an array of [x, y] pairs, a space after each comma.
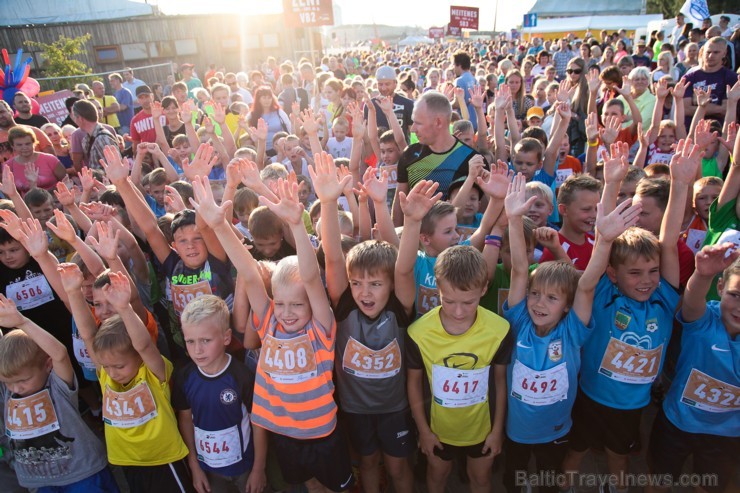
{"points": [[371, 328], [52, 447], [212, 395], [625, 354], [293, 391], [456, 357], [700, 415], [140, 426], [551, 320]]}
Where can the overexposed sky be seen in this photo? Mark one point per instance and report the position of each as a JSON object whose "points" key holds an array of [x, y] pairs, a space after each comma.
{"points": [[392, 12]]}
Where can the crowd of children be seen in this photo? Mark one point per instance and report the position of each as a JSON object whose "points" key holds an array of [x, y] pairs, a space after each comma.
{"points": [[178, 321]]}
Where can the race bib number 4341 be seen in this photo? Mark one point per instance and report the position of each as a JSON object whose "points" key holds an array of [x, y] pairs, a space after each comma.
{"points": [[128, 409]]}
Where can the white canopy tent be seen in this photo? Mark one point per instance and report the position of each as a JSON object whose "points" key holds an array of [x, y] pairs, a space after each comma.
{"points": [[415, 40], [591, 23], [25, 12]]}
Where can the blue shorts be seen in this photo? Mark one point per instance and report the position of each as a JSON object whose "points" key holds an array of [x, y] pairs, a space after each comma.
{"points": [[101, 482]]}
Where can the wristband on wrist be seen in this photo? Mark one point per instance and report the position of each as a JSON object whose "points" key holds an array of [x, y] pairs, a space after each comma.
{"points": [[593, 144]]}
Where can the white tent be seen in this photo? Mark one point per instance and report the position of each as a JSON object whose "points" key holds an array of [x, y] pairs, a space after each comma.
{"points": [[415, 40], [24, 12], [592, 23], [564, 8]]}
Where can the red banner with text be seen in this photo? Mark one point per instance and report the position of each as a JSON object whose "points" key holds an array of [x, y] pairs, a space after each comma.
{"points": [[308, 13], [464, 17]]}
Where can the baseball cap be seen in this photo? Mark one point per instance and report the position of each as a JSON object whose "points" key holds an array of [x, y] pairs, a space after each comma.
{"points": [[640, 42], [535, 111], [186, 65], [385, 73], [143, 90]]}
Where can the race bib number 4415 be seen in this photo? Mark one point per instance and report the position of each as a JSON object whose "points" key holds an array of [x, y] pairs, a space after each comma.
{"points": [[30, 417]]}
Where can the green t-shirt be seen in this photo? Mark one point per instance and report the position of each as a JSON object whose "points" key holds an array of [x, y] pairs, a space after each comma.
{"points": [[709, 167], [498, 290], [721, 227]]}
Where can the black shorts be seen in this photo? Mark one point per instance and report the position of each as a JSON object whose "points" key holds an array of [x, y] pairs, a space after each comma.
{"points": [[449, 452], [392, 433], [548, 457], [598, 426], [174, 477], [326, 459], [714, 457]]}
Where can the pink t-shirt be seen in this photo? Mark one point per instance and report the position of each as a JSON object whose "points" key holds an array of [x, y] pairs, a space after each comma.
{"points": [[46, 163]]}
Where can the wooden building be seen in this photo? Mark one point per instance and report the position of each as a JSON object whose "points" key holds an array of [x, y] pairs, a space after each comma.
{"points": [[236, 42]]}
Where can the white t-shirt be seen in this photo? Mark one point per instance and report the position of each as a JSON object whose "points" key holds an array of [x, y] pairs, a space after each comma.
{"points": [[339, 149]]}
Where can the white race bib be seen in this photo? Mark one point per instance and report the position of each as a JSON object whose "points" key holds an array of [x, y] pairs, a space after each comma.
{"points": [[221, 448], [30, 293], [81, 354], [695, 239], [539, 388], [453, 387]]}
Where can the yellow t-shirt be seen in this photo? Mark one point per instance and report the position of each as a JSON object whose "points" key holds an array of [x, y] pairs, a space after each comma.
{"points": [[111, 119], [140, 424], [459, 369]]}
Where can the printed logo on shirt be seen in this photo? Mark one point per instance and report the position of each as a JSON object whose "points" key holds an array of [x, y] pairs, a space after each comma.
{"points": [[651, 325], [622, 320], [228, 396], [555, 350]]}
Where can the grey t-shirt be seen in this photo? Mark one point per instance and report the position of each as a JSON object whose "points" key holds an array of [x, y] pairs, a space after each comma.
{"points": [[371, 375], [57, 448]]}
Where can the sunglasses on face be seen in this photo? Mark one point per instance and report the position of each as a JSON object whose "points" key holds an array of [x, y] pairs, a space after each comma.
{"points": [[574, 71]]}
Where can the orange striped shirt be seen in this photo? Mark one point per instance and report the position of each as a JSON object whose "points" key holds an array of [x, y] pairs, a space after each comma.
{"points": [[294, 391]]}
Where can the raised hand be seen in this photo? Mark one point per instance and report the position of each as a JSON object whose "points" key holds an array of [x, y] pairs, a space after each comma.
{"points": [[714, 259], [63, 229], [205, 205], [308, 122], [704, 136], [592, 127], [114, 166], [661, 89], [679, 90], [87, 180], [8, 184], [685, 162], [733, 93], [97, 211], [64, 195], [612, 125], [419, 200], [502, 97], [205, 159], [592, 77], [156, 110], [386, 104], [477, 94], [642, 137], [729, 142], [547, 237], [289, 208], [498, 180], [11, 223], [31, 172], [563, 109], [703, 97], [173, 202], [617, 166], [71, 277], [566, 91], [118, 292], [33, 237], [516, 203], [107, 241], [622, 217], [372, 186], [186, 111], [449, 91], [626, 89], [219, 113], [249, 173], [324, 177], [208, 125], [342, 173], [9, 314]]}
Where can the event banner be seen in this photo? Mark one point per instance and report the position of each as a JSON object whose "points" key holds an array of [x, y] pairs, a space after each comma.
{"points": [[52, 106], [464, 17], [436, 32], [308, 13]]}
